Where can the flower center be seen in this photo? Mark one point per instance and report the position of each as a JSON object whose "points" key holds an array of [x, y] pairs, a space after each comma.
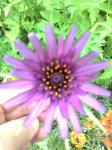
{"points": [[56, 77]]}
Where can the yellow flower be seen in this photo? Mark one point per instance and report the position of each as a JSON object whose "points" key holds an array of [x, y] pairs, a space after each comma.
{"points": [[89, 123], [78, 139]]}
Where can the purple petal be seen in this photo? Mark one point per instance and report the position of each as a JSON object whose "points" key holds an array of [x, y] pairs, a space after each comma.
{"points": [[14, 62], [70, 39], [87, 59], [80, 44], [23, 74], [62, 123], [60, 46], [74, 119], [32, 65], [38, 109], [49, 118], [94, 89], [86, 78], [63, 107], [24, 50], [37, 45], [76, 103], [18, 84], [92, 68], [19, 99], [51, 41], [92, 102]]}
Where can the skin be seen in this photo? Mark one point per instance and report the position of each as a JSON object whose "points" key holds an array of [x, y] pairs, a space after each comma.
{"points": [[13, 135]]}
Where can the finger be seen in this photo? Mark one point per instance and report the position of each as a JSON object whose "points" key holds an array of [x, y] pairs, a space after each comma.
{"points": [[13, 135], [2, 115], [18, 112], [39, 136]]}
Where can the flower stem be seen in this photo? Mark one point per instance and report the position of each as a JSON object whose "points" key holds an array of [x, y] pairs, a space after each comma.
{"points": [[90, 114], [67, 146]]}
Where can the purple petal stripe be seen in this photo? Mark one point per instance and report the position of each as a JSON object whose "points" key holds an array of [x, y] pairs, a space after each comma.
{"points": [[92, 68], [37, 45], [94, 89], [70, 39], [82, 79], [63, 107], [60, 46], [38, 109], [51, 41], [87, 59], [80, 44], [49, 118], [76, 104], [14, 62], [19, 99], [62, 123], [92, 102], [18, 84], [24, 50], [74, 119], [23, 74]]}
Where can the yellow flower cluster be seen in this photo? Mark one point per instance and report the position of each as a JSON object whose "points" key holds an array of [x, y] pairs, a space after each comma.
{"points": [[89, 123], [78, 139]]}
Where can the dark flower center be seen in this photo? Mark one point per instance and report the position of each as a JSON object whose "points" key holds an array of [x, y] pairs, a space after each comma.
{"points": [[56, 77]]}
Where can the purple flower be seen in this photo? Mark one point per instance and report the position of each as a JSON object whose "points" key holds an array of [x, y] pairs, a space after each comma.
{"points": [[55, 76]]}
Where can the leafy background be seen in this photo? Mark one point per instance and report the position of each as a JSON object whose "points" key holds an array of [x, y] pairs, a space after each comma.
{"points": [[19, 17]]}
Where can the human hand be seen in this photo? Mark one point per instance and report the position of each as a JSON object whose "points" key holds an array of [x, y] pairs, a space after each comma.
{"points": [[13, 135]]}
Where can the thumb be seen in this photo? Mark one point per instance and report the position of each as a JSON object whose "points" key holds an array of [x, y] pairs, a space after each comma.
{"points": [[14, 136]]}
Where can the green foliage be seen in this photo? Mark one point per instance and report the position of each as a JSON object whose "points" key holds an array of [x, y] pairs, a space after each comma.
{"points": [[18, 17]]}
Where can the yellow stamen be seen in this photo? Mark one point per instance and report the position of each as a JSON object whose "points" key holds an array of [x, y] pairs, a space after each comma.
{"points": [[68, 72], [56, 94], [52, 63], [51, 70], [51, 93], [60, 71], [66, 77], [65, 86], [64, 65], [57, 67], [41, 85], [44, 79], [59, 95], [47, 73], [48, 68], [59, 89], [50, 87], [65, 81], [47, 82], [46, 88], [43, 69], [54, 87], [48, 77]]}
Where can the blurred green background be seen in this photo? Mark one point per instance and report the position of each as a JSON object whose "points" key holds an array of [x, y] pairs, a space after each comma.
{"points": [[19, 17]]}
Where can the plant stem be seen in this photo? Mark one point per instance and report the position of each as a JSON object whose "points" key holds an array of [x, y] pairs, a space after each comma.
{"points": [[67, 146]]}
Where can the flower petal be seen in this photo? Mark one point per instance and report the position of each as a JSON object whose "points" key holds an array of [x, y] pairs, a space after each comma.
{"points": [[49, 118], [79, 45], [76, 104], [92, 102], [24, 50], [60, 46], [37, 45], [91, 68], [94, 89], [19, 99], [87, 59], [14, 62], [86, 78], [74, 119], [38, 109], [23, 74], [63, 107], [70, 39], [62, 123], [18, 84], [51, 41]]}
